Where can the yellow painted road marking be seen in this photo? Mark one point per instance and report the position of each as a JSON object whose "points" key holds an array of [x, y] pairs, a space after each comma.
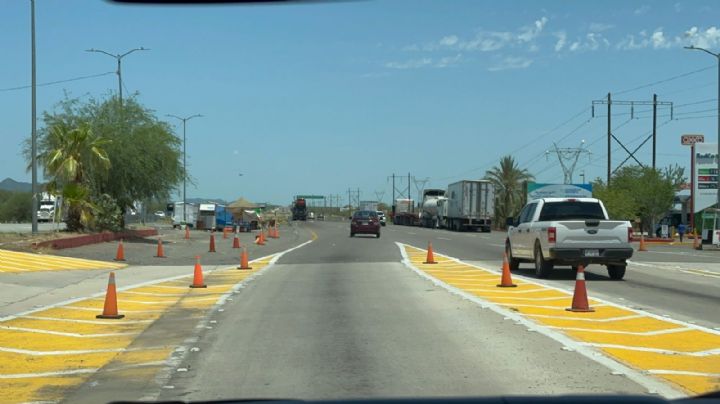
{"points": [[14, 261], [684, 355], [63, 346]]}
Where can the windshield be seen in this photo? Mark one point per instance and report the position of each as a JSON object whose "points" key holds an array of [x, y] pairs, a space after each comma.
{"points": [[326, 199]]}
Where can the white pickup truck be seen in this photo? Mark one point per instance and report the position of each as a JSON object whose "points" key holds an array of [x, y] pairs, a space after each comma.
{"points": [[568, 231]]}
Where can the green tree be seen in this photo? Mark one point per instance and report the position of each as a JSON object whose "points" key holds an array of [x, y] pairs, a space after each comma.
{"points": [[15, 206], [508, 179], [676, 174], [145, 155], [72, 157], [637, 192]]}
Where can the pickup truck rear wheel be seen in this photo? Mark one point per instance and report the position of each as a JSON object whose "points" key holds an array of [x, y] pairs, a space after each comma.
{"points": [[514, 262], [542, 266], [616, 272]]}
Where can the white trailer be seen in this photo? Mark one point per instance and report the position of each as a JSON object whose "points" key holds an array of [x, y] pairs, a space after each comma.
{"points": [[470, 205], [180, 218]]}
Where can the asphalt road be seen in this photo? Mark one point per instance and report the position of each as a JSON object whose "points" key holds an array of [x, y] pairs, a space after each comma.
{"points": [[342, 317]]}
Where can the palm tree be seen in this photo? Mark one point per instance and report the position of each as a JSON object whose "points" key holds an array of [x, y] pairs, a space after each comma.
{"points": [[508, 179], [72, 157]]}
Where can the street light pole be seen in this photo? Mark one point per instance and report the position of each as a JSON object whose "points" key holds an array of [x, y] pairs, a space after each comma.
{"points": [[33, 117], [717, 56], [119, 65], [184, 120]]}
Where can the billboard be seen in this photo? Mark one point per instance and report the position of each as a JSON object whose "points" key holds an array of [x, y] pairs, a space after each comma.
{"points": [[705, 177], [537, 191]]}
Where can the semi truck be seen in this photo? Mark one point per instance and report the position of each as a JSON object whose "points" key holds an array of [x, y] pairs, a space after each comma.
{"points": [[470, 206], [433, 199], [180, 217], [46, 208], [368, 205], [404, 213], [299, 209]]}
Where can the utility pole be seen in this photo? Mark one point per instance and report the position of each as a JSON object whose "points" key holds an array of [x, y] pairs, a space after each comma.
{"points": [[420, 188], [184, 121], [119, 65], [610, 136], [349, 201], [33, 126], [571, 156], [408, 193]]}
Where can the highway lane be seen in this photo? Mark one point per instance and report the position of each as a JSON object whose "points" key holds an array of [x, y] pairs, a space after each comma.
{"points": [[342, 317], [673, 281]]}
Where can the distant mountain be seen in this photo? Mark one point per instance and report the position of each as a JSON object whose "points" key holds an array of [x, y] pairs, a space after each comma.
{"points": [[9, 184]]}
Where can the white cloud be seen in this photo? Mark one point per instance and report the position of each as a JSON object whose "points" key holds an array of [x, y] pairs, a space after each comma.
{"points": [[591, 42], [599, 27], [641, 10], [710, 38], [659, 39], [679, 7], [561, 40], [511, 62], [425, 62], [409, 64], [449, 40], [448, 61], [487, 41]]}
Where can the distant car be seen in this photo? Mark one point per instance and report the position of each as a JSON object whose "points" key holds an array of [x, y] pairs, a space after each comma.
{"points": [[381, 216], [365, 222], [160, 213]]}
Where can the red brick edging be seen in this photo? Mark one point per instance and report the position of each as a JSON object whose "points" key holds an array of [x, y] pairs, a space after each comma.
{"points": [[85, 239]]}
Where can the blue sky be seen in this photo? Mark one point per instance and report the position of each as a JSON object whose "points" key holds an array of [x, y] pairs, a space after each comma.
{"points": [[317, 98]]}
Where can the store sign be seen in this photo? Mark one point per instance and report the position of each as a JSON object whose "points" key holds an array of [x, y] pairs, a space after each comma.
{"points": [[706, 175], [687, 140], [537, 191]]}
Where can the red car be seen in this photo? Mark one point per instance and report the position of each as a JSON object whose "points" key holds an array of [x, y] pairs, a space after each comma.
{"points": [[365, 222]]}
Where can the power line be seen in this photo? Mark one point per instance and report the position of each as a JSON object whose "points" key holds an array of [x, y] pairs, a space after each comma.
{"points": [[92, 76], [696, 102], [679, 76]]}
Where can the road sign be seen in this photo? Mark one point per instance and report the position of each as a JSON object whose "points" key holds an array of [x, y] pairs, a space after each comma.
{"points": [[687, 140]]}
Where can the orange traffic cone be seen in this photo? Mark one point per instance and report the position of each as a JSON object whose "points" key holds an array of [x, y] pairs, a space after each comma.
{"points": [[506, 279], [244, 260], [580, 299], [236, 241], [259, 239], [110, 310], [187, 232], [430, 257], [268, 234], [642, 243], [198, 275], [160, 251], [120, 254], [277, 232], [212, 243]]}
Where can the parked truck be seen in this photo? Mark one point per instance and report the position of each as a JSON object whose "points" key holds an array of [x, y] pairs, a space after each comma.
{"points": [[299, 209], [432, 200], [46, 208], [470, 205], [180, 217], [404, 213]]}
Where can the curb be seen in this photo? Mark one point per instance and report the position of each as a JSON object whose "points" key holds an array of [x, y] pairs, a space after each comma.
{"points": [[85, 239]]}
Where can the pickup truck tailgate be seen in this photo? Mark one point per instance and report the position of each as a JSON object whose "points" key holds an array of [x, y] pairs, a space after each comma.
{"points": [[591, 233]]}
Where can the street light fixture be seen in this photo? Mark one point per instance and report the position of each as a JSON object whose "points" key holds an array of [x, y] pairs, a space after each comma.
{"points": [[119, 66], [717, 56], [184, 120]]}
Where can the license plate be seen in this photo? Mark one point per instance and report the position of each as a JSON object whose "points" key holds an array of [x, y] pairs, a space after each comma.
{"points": [[364, 223], [592, 253]]}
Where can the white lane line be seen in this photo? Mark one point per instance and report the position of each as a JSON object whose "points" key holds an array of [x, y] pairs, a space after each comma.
{"points": [[124, 311], [701, 273], [66, 334], [73, 352], [656, 332], [709, 352], [496, 245], [543, 307], [443, 238], [593, 320], [681, 372], [411, 233], [77, 371], [71, 320], [644, 380]]}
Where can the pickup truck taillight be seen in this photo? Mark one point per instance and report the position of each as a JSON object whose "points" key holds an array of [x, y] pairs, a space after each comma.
{"points": [[631, 235], [552, 234]]}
